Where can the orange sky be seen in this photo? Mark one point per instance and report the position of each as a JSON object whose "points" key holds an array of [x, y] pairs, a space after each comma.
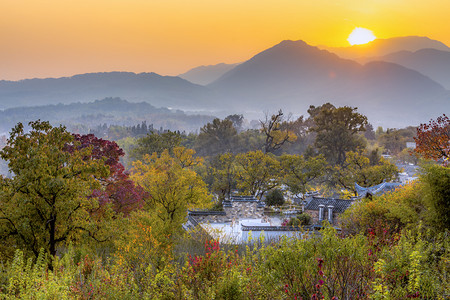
{"points": [[53, 38]]}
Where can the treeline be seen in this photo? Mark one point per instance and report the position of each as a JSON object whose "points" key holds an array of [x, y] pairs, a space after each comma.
{"points": [[330, 150], [117, 132], [82, 117], [276, 134]]}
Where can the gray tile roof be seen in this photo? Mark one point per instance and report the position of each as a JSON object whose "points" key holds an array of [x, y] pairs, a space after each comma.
{"points": [[339, 205], [378, 189], [244, 199], [205, 213]]}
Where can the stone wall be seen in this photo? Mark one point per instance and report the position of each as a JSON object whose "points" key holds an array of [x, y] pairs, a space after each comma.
{"points": [[211, 218], [244, 210], [236, 211]]}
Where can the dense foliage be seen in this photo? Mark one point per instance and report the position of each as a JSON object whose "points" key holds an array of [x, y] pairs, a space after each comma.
{"points": [[75, 225], [47, 203], [433, 139]]}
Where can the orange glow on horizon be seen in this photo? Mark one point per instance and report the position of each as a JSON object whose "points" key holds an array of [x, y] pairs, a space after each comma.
{"points": [[61, 38]]}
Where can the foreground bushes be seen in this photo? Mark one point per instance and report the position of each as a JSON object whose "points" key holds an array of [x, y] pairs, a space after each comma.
{"points": [[322, 267]]}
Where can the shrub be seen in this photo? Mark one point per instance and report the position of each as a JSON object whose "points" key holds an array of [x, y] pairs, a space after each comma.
{"points": [[304, 219], [275, 197], [301, 220]]}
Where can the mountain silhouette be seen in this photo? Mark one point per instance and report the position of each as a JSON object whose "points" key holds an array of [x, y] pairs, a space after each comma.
{"points": [[292, 75], [164, 91], [381, 47], [204, 75], [430, 62]]}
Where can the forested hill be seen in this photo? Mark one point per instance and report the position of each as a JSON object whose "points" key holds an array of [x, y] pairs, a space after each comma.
{"points": [[149, 87], [109, 110]]}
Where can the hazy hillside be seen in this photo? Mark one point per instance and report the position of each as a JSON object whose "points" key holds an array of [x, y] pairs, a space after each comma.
{"points": [[110, 111], [167, 91], [292, 75], [430, 62], [204, 75], [381, 47]]}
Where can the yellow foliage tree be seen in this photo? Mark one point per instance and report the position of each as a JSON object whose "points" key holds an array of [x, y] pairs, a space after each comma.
{"points": [[172, 185], [259, 173]]}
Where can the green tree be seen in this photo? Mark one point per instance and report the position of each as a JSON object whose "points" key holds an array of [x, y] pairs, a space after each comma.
{"points": [[436, 181], [275, 197], [155, 142], [216, 137], [223, 173], [299, 172], [249, 140], [337, 130], [237, 120], [259, 172], [369, 133], [48, 200]]}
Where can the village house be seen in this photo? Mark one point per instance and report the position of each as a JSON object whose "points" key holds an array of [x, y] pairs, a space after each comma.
{"points": [[326, 209]]}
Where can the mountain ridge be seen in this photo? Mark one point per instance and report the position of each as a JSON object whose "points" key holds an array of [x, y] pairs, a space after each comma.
{"points": [[204, 75], [300, 75], [150, 87], [381, 47], [430, 62]]}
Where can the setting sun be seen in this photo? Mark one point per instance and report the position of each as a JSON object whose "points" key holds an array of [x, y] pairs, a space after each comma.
{"points": [[360, 36]]}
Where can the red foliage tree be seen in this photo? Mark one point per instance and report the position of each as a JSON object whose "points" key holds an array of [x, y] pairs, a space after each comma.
{"points": [[433, 139], [118, 190]]}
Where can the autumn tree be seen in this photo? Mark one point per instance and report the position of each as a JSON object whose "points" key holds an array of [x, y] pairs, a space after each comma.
{"points": [[337, 131], [117, 189], [298, 172], [433, 139], [47, 202], [357, 168], [186, 158], [425, 201], [394, 140], [305, 138], [278, 130], [173, 189], [259, 173]]}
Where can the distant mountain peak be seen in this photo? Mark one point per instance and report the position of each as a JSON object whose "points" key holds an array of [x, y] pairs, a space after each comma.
{"points": [[204, 75], [381, 47]]}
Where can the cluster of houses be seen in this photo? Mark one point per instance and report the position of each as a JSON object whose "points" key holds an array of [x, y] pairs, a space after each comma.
{"points": [[245, 216]]}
